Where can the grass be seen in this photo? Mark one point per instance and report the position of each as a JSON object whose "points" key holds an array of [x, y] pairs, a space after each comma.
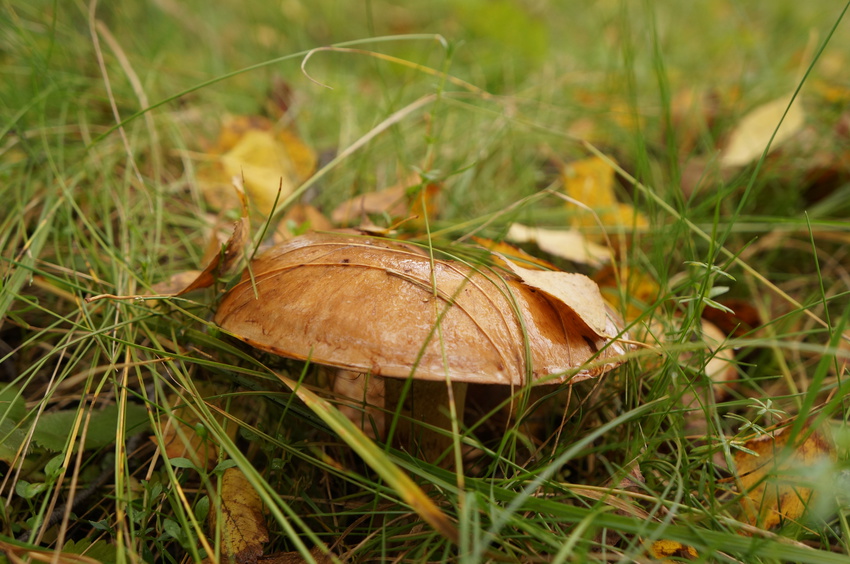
{"points": [[89, 208]]}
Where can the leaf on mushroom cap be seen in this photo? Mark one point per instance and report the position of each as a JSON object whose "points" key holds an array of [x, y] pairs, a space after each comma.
{"points": [[369, 305], [576, 291]]}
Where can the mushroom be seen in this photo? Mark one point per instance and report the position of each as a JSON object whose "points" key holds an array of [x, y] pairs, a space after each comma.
{"points": [[385, 310]]}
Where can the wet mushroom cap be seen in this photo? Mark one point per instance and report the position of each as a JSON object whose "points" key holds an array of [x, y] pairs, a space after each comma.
{"points": [[367, 304]]}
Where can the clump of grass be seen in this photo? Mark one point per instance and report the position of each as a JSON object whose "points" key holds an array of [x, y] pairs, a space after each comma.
{"points": [[94, 209]]}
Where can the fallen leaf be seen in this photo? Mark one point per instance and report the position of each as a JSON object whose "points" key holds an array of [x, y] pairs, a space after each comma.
{"points": [[180, 437], [299, 219], [243, 526], [176, 283], [742, 318], [318, 555], [515, 254], [222, 257], [370, 305], [720, 368], [776, 482], [832, 92], [576, 291], [567, 244], [664, 549], [629, 285], [591, 182], [749, 139], [269, 159], [392, 201], [403, 199]]}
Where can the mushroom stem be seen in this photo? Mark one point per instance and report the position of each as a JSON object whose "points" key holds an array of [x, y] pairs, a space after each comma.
{"points": [[425, 425], [362, 398]]}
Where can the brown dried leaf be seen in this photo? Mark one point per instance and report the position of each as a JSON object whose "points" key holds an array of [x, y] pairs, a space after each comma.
{"points": [[743, 318], [396, 201], [179, 438], [392, 201], [775, 483], [569, 244], [177, 283], [576, 291], [243, 526], [295, 557], [229, 254], [514, 254], [222, 258], [301, 218], [368, 305]]}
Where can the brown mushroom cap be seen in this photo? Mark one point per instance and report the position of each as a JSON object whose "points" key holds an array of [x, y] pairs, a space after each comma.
{"points": [[369, 305]]}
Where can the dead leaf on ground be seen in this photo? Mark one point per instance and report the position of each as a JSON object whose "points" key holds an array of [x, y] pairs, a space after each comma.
{"points": [[742, 319], [299, 219], [576, 291], [222, 257], [267, 157], [399, 201], [640, 290], [720, 368], [591, 182], [831, 92], [295, 557], [749, 139], [566, 244], [180, 438], [176, 283], [243, 526], [515, 254], [665, 549], [777, 484]]}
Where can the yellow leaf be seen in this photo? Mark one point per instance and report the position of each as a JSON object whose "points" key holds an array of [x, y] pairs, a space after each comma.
{"points": [[748, 141], [567, 244], [515, 254], [243, 527], [663, 549], [591, 182], [264, 164], [777, 483], [640, 290], [268, 159]]}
